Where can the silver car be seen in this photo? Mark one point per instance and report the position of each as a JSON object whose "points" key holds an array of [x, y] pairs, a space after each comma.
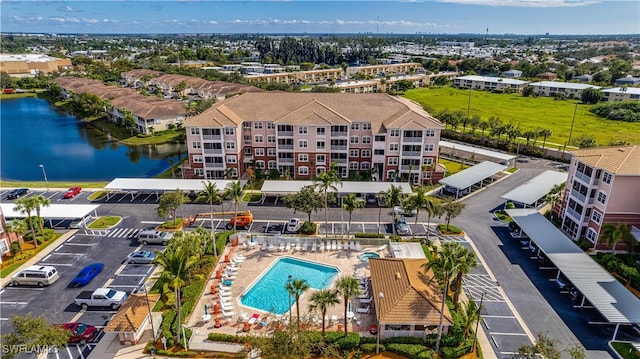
{"points": [[141, 257]]}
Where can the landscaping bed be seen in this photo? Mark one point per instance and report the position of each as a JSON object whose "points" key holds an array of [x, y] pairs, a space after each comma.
{"points": [[104, 222]]}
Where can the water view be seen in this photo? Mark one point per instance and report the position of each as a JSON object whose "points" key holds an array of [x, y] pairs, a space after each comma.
{"points": [[32, 132]]}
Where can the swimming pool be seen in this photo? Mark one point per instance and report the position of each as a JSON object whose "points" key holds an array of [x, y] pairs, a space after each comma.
{"points": [[366, 255], [268, 293]]}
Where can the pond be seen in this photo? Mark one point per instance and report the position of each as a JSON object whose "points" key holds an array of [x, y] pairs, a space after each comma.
{"points": [[34, 133]]}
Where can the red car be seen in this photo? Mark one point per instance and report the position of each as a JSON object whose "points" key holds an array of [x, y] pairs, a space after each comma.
{"points": [[80, 333], [72, 192]]}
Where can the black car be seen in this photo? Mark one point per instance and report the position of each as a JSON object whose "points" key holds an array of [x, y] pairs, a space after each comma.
{"points": [[17, 193]]}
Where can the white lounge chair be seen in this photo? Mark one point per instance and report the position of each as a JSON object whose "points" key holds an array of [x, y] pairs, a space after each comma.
{"points": [[226, 300], [281, 247], [339, 246], [228, 314], [244, 317], [334, 318], [313, 246], [364, 310], [224, 287], [352, 245], [298, 246], [271, 247], [287, 246], [230, 275], [358, 246], [334, 244], [366, 300], [264, 246], [231, 267], [238, 258], [304, 246], [321, 246], [382, 247], [365, 294]]}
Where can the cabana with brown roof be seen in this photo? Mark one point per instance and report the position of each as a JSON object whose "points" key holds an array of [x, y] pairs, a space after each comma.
{"points": [[132, 318], [407, 301]]}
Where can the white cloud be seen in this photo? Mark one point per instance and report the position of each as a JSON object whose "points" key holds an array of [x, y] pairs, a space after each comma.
{"points": [[67, 9], [212, 22], [524, 3], [336, 22], [90, 21]]}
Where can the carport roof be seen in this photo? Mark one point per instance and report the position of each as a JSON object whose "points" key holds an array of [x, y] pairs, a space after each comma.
{"points": [[475, 174], [480, 151], [159, 184], [536, 188], [52, 211], [407, 250], [286, 187], [615, 302]]}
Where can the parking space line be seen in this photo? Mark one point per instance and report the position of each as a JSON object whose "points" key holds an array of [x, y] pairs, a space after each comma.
{"points": [[4, 318], [57, 249], [22, 288], [515, 334], [77, 316], [81, 244], [15, 303], [69, 254], [132, 275], [149, 270], [141, 281], [55, 264], [498, 316]]}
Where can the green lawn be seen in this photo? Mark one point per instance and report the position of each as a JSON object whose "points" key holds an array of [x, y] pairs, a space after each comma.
{"points": [[626, 350], [529, 113], [42, 184], [452, 166]]}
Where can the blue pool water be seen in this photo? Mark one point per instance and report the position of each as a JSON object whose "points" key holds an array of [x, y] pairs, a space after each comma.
{"points": [[268, 293], [366, 255]]}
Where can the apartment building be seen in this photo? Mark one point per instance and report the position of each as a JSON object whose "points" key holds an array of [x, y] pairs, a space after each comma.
{"points": [[29, 65], [303, 134], [488, 83], [383, 70], [621, 94], [553, 88], [602, 187], [298, 77]]}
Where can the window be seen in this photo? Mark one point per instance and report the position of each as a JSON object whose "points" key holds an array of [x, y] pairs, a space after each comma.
{"points": [[392, 161], [232, 159], [320, 145], [197, 159], [365, 166], [257, 125], [271, 139], [596, 216], [259, 151], [271, 126], [302, 130], [427, 161], [591, 234], [320, 170], [195, 144], [353, 166], [229, 131], [355, 126], [366, 153], [430, 133], [606, 177], [378, 152], [354, 153], [320, 131], [379, 138], [248, 151], [602, 197], [271, 151], [230, 145], [320, 159], [246, 125], [354, 139], [394, 133], [260, 165], [366, 139], [366, 126], [195, 130], [428, 148], [393, 147], [247, 139], [303, 157], [303, 170], [302, 144], [199, 172], [273, 164]]}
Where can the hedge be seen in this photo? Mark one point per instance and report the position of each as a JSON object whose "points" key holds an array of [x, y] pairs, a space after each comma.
{"points": [[371, 347], [404, 340], [412, 351], [368, 235], [457, 352], [351, 341], [228, 338]]}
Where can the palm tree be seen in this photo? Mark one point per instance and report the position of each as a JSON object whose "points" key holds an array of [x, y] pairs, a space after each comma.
{"points": [[349, 204], [420, 201], [176, 270], [26, 205], [423, 169], [210, 195], [545, 133], [466, 262], [613, 234], [347, 287], [444, 266], [469, 315], [296, 287], [483, 126], [39, 202], [321, 301], [410, 170], [19, 228], [324, 182], [234, 190], [394, 197]]}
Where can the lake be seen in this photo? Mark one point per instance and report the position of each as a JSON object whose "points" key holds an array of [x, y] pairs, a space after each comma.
{"points": [[33, 132]]}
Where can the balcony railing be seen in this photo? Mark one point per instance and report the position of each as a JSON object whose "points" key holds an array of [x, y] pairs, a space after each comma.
{"points": [[339, 134], [583, 177], [212, 137], [573, 213], [578, 195], [285, 133], [214, 165], [339, 160], [285, 160], [339, 148], [412, 153], [285, 147], [412, 139], [212, 151]]}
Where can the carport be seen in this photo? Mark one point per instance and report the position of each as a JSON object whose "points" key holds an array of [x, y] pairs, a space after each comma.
{"points": [[407, 250], [532, 192], [283, 188], [476, 174], [157, 186], [610, 298], [460, 151], [55, 211]]}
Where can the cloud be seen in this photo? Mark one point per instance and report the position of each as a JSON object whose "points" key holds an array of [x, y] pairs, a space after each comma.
{"points": [[336, 22], [67, 9], [524, 3]]}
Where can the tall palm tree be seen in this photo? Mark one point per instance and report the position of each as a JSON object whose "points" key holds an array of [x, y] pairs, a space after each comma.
{"points": [[19, 228], [614, 234], [234, 190], [325, 182], [466, 262], [350, 203], [469, 315], [394, 197], [347, 287], [211, 196], [296, 287], [444, 265], [26, 205], [39, 202], [410, 173], [419, 201], [177, 266], [545, 133], [321, 301]]}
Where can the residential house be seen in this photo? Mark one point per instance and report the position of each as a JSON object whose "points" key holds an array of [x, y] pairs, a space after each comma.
{"points": [[132, 318], [407, 300], [629, 81], [302, 134], [549, 76], [621, 94], [488, 83], [602, 187], [553, 88], [584, 78], [512, 74]]}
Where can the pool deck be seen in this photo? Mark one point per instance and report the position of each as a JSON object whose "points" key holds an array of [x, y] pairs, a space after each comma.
{"points": [[255, 263]]}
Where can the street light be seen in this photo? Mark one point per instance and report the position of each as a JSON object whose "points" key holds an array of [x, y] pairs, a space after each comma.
{"points": [[378, 309], [288, 291], [44, 173]]}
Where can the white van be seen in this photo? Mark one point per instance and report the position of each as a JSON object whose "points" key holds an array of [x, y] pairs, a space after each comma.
{"points": [[36, 275], [154, 237]]}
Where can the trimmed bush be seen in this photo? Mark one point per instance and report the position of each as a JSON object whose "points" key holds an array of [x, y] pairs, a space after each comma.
{"points": [[368, 235], [227, 338], [404, 340], [350, 342], [308, 228], [412, 351], [371, 348], [457, 352], [367, 340]]}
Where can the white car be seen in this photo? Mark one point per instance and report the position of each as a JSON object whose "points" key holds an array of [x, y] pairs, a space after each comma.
{"points": [[399, 211], [293, 225]]}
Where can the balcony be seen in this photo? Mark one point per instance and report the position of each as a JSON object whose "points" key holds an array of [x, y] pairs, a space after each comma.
{"points": [[212, 137], [214, 165], [285, 147], [338, 148], [573, 213], [412, 139], [412, 153], [285, 133], [339, 134], [212, 151], [578, 196], [583, 177], [339, 160], [285, 160]]}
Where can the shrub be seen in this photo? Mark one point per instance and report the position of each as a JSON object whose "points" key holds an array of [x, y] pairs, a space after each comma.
{"points": [[457, 352], [228, 338], [413, 351], [613, 265], [308, 228], [371, 347], [368, 340], [454, 337], [368, 235], [351, 341], [15, 248], [404, 340]]}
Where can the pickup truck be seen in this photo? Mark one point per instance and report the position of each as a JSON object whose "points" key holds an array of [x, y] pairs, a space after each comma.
{"points": [[101, 297]]}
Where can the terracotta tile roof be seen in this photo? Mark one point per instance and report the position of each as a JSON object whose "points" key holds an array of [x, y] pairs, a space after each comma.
{"points": [[132, 314], [383, 111], [137, 73], [621, 160], [408, 295]]}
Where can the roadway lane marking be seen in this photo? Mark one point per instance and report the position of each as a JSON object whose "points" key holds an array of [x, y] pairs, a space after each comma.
{"points": [[132, 275], [77, 316], [151, 222]]}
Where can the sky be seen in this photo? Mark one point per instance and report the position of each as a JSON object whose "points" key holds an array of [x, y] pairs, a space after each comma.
{"points": [[523, 17]]}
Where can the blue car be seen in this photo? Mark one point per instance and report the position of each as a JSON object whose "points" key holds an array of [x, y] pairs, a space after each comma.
{"points": [[87, 274]]}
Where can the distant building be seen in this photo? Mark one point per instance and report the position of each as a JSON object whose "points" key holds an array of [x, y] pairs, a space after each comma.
{"points": [[512, 74], [630, 81], [547, 76], [621, 94], [553, 88], [488, 83], [383, 70], [584, 78], [29, 65]]}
